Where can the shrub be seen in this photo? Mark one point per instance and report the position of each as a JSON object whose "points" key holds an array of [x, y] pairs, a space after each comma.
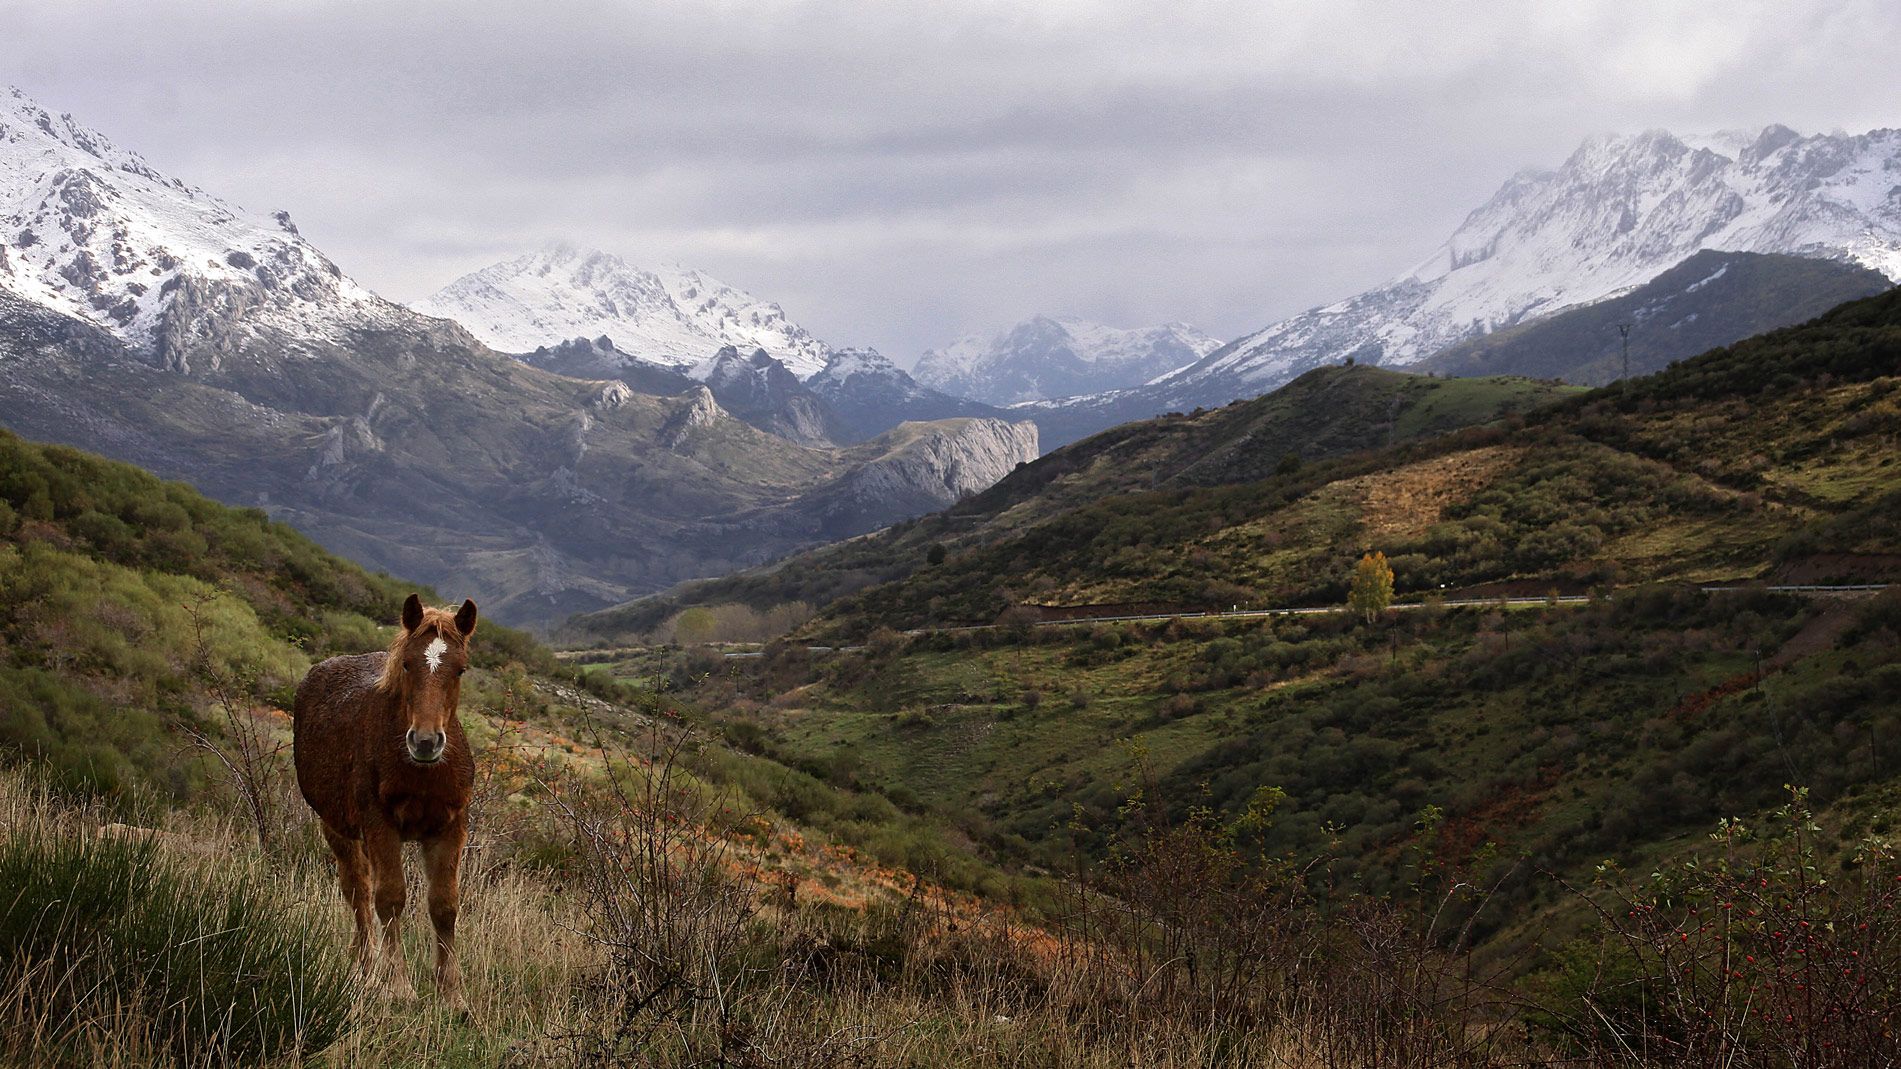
{"points": [[1748, 957]]}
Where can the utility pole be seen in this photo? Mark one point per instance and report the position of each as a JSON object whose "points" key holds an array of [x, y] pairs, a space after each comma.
{"points": [[1623, 330]]}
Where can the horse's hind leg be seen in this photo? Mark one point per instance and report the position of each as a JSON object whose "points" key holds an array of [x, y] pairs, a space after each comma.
{"points": [[353, 873], [385, 852], [442, 861]]}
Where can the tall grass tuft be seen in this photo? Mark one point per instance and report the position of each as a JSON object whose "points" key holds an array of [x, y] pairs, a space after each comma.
{"points": [[108, 941]]}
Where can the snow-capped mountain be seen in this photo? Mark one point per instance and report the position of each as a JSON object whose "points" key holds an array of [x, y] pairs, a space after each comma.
{"points": [[870, 394], [92, 231], [1051, 356], [670, 315], [1619, 212], [143, 318], [864, 371]]}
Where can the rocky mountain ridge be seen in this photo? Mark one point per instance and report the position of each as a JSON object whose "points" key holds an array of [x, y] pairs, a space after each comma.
{"points": [[94, 232]]}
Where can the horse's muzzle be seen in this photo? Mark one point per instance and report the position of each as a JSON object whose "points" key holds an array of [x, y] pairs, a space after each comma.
{"points": [[425, 747]]}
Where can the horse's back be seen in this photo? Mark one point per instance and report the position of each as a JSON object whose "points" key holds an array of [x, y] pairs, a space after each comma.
{"points": [[329, 716]]}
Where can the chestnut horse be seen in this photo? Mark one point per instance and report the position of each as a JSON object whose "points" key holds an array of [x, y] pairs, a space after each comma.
{"points": [[382, 758]]}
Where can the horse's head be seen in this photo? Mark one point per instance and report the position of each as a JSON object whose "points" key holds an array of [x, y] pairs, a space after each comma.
{"points": [[424, 672]]}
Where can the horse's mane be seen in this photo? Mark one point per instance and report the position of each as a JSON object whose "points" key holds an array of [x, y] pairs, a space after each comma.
{"points": [[434, 622]]}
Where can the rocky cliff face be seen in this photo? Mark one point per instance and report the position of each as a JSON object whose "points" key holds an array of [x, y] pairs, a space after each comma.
{"points": [[923, 467]]}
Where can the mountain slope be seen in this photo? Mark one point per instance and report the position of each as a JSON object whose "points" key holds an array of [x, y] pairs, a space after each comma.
{"points": [[539, 494], [1617, 213], [390, 436], [673, 316], [1325, 413], [1711, 299], [1047, 356]]}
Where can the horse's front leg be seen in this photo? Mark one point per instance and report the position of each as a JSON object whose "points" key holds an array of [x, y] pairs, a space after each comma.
{"points": [[442, 861], [384, 848]]}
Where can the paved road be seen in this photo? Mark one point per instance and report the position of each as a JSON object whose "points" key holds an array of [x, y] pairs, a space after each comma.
{"points": [[1817, 590]]}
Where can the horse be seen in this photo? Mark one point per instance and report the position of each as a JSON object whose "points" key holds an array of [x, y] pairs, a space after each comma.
{"points": [[382, 759]]}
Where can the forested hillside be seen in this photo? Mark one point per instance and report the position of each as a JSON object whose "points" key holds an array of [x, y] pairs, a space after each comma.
{"points": [[1773, 457]]}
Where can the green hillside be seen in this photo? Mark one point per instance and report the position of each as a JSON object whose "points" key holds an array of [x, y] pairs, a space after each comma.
{"points": [[1775, 456], [1325, 413], [122, 596]]}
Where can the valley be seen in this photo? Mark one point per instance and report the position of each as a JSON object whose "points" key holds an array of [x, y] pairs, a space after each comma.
{"points": [[1680, 663]]}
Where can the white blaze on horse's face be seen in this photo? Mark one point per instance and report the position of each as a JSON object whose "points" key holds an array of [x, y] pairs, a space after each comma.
{"points": [[433, 654]]}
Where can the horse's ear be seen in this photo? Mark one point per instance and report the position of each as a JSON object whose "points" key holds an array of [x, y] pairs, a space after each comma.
{"points": [[412, 613], [465, 618]]}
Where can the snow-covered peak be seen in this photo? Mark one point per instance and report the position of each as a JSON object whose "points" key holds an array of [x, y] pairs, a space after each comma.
{"points": [[1054, 356], [865, 372], [92, 230], [1618, 212], [670, 315], [847, 364]]}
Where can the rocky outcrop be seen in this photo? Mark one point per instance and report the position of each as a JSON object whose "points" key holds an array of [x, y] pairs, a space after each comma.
{"points": [[765, 393], [700, 410], [925, 467]]}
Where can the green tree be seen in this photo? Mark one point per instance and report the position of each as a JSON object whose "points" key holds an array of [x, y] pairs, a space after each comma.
{"points": [[936, 554], [695, 626], [1372, 589]]}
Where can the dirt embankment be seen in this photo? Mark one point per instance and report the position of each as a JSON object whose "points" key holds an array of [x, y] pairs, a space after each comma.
{"points": [[1826, 568]]}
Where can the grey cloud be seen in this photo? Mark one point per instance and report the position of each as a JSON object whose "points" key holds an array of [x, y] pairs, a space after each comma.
{"points": [[900, 172]]}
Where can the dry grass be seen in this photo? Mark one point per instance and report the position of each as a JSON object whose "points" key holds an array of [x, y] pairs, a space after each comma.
{"points": [[657, 944], [1401, 504], [655, 948]]}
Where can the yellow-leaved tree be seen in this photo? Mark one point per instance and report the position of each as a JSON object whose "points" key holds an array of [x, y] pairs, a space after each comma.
{"points": [[1372, 589]]}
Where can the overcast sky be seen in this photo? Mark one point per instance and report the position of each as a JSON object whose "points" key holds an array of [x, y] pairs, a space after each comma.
{"points": [[900, 173]]}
